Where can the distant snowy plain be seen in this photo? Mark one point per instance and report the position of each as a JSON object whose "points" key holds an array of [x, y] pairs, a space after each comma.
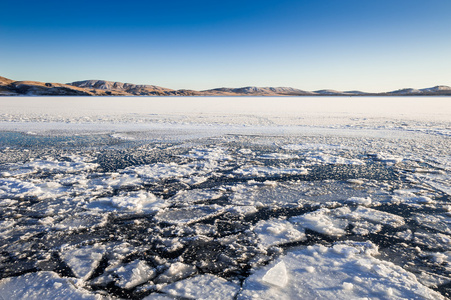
{"points": [[225, 198]]}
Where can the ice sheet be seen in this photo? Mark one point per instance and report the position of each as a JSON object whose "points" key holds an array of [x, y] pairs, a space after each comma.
{"points": [[156, 201]]}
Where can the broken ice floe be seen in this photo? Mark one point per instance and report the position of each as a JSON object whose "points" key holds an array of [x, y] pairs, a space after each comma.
{"points": [[162, 171], [324, 221], [190, 197], [343, 271], [267, 194], [213, 154], [44, 285], [275, 232], [331, 160], [193, 221], [83, 261], [130, 275], [278, 156], [189, 215], [139, 201], [204, 286], [176, 272], [258, 171], [335, 221]]}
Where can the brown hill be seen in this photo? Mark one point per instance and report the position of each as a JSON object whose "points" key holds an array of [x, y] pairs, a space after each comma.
{"points": [[10, 87]]}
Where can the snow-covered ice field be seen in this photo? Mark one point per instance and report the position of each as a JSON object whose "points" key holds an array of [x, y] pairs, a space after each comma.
{"points": [[225, 198]]}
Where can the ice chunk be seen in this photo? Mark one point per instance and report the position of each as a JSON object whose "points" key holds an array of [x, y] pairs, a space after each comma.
{"points": [[188, 215], [118, 180], [158, 297], [356, 181], [61, 166], [5, 224], [82, 220], [274, 232], [209, 154], [16, 188], [189, 197], [377, 216], [441, 258], [133, 274], [83, 261], [298, 147], [140, 201], [326, 159], [324, 221], [278, 156], [269, 171], [432, 240], [277, 275], [162, 171], [345, 271], [360, 200], [176, 272], [263, 195], [201, 287], [389, 158], [438, 222], [365, 228], [439, 182], [43, 285], [243, 210], [409, 198]]}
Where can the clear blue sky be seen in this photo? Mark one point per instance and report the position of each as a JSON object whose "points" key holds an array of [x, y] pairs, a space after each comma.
{"points": [[372, 45]]}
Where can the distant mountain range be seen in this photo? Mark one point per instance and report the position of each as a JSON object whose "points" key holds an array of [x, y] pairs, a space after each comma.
{"points": [[10, 87]]}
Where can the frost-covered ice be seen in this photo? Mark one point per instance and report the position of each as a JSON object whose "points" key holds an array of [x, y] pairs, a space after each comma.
{"points": [[203, 287], [43, 285], [83, 261], [273, 232], [324, 221], [131, 201], [204, 200], [277, 275], [339, 272]]}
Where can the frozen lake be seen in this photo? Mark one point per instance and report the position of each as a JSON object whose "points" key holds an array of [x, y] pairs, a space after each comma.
{"points": [[225, 198]]}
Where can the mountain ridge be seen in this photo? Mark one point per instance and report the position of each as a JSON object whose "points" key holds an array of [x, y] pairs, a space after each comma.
{"points": [[9, 87]]}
